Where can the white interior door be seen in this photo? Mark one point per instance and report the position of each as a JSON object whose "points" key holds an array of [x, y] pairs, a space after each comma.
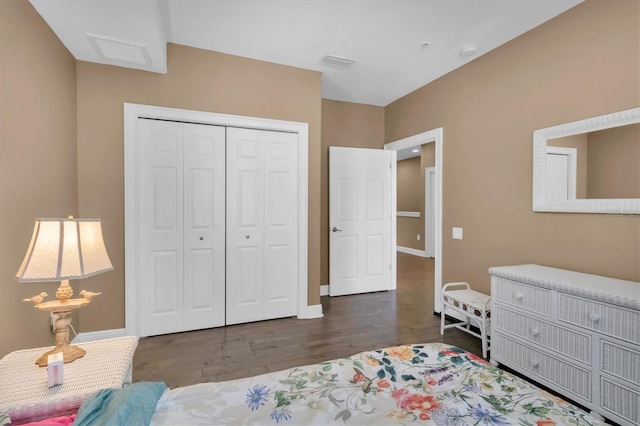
{"points": [[261, 225], [161, 249], [557, 182], [204, 226], [561, 173], [360, 207], [179, 201]]}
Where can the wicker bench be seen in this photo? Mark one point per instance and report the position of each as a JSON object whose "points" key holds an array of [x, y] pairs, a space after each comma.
{"points": [[473, 305]]}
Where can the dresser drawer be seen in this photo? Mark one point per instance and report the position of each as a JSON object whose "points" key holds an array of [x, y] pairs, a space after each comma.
{"points": [[606, 319], [541, 333], [523, 296], [620, 361], [620, 400], [563, 374]]}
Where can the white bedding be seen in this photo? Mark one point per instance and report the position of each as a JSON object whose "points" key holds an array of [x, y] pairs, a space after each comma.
{"points": [[411, 384]]}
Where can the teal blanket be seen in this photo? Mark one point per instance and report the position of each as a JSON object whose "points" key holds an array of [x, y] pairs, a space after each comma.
{"points": [[132, 405]]}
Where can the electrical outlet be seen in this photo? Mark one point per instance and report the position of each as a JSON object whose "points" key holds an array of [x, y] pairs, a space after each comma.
{"points": [[457, 233], [418, 237], [53, 318]]}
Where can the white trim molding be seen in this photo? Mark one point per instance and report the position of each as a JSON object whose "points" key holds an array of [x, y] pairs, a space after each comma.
{"points": [[132, 112], [311, 311], [92, 336], [429, 216], [410, 250], [540, 138], [408, 214]]}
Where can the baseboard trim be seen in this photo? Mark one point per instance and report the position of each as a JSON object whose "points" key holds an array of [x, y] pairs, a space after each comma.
{"points": [[99, 335], [312, 311], [412, 251], [324, 290]]}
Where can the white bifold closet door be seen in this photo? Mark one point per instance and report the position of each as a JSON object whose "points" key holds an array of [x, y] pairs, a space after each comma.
{"points": [[182, 226], [218, 226], [261, 225]]}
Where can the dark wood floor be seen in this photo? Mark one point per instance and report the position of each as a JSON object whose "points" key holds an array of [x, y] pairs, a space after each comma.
{"points": [[350, 324]]}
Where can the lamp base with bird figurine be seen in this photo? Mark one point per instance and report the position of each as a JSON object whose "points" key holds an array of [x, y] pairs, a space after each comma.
{"points": [[62, 307]]}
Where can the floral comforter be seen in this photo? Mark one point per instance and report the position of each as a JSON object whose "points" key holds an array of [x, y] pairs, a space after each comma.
{"points": [[412, 384]]}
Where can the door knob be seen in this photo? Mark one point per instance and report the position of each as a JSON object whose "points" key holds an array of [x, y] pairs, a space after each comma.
{"points": [[246, 236], [201, 238], [336, 229]]}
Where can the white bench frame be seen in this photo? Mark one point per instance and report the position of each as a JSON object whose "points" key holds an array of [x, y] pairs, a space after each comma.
{"points": [[477, 313]]}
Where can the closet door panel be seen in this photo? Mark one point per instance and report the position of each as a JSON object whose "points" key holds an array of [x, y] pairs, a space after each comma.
{"points": [[166, 289], [204, 226], [281, 223], [262, 221], [244, 287], [245, 225], [277, 278], [160, 227]]}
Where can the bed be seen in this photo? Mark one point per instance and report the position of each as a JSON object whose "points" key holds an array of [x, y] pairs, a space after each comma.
{"points": [[409, 384]]}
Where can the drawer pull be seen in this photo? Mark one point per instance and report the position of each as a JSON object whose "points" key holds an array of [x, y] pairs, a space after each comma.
{"points": [[518, 296], [594, 317], [535, 331], [535, 364]]}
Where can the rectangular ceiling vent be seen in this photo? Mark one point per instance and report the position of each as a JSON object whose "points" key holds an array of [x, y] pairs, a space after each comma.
{"points": [[120, 51], [337, 61]]}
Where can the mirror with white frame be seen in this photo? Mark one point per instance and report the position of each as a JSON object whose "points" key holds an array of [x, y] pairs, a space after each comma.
{"points": [[589, 166]]}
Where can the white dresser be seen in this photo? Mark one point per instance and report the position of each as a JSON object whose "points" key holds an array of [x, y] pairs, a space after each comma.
{"points": [[576, 333]]}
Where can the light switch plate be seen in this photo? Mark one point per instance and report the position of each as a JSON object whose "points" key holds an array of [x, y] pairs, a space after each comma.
{"points": [[457, 233]]}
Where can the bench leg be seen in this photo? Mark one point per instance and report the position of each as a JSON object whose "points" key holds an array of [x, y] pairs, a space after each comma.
{"points": [[483, 332]]}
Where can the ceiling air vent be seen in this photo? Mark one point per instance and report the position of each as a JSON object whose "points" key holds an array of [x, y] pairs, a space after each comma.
{"points": [[337, 61], [120, 50]]}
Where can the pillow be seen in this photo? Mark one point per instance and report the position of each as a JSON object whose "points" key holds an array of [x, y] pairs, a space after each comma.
{"points": [[131, 405]]}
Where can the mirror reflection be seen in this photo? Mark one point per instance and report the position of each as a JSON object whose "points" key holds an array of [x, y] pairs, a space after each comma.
{"points": [[602, 164]]}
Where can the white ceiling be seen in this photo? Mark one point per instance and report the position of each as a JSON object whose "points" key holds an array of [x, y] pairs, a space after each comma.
{"points": [[385, 37]]}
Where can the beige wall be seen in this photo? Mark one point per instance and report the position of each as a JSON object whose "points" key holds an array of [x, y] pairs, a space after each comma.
{"points": [[489, 109], [38, 175], [614, 163], [196, 80], [409, 193], [344, 124]]}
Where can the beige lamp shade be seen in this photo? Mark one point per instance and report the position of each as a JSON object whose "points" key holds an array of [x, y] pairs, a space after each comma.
{"points": [[64, 249]]}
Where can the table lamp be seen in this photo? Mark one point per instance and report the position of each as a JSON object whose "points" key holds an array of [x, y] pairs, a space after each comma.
{"points": [[63, 250]]}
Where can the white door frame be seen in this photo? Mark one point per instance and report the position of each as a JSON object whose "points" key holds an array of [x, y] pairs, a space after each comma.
{"points": [[429, 200], [435, 135], [132, 112]]}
